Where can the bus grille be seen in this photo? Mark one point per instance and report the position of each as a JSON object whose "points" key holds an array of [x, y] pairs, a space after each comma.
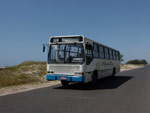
{"points": [[69, 70]]}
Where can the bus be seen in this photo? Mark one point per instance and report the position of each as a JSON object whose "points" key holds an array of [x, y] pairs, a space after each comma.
{"points": [[79, 59]]}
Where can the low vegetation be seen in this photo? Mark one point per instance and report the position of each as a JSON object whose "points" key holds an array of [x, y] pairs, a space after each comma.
{"points": [[137, 62], [26, 72]]}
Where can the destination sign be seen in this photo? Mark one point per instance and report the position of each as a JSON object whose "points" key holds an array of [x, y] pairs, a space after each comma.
{"points": [[67, 39]]}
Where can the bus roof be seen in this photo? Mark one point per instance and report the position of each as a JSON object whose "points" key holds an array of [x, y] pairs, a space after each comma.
{"points": [[67, 36]]}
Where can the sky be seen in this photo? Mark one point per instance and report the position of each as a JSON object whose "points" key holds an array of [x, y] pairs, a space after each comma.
{"points": [[27, 24]]}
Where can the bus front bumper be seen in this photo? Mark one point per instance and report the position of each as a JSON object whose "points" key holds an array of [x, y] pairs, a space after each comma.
{"points": [[65, 77]]}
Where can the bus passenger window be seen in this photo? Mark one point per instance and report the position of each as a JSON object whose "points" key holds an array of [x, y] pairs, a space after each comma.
{"points": [[111, 54], [95, 51], [101, 52], [114, 56], [106, 53], [89, 53], [118, 56]]}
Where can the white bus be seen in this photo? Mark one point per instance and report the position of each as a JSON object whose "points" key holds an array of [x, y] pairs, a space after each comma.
{"points": [[79, 59]]}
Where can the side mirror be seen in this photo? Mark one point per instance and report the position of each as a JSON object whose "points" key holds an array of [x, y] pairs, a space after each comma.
{"points": [[43, 48]]}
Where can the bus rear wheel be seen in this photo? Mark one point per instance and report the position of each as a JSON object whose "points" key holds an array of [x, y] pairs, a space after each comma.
{"points": [[64, 83], [114, 72]]}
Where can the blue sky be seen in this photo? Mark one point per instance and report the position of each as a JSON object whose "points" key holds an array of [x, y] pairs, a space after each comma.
{"points": [[26, 24]]}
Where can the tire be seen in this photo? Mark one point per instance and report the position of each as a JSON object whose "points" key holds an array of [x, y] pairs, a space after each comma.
{"points": [[94, 80], [64, 83], [114, 72]]}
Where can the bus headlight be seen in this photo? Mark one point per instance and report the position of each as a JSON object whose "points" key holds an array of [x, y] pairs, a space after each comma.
{"points": [[50, 72]]}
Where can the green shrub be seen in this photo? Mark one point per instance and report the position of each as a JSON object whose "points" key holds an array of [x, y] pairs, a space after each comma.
{"points": [[137, 62]]}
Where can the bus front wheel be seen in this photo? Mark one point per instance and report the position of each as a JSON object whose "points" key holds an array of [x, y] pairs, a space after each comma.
{"points": [[64, 83], [94, 80]]}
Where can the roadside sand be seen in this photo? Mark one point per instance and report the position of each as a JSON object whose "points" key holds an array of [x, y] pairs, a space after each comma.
{"points": [[125, 67]]}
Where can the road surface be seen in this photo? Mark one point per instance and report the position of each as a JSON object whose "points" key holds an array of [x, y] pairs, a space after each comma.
{"points": [[128, 92]]}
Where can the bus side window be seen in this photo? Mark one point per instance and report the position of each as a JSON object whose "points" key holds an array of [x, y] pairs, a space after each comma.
{"points": [[118, 56], [101, 52], [114, 56], [106, 53], [111, 54], [95, 51], [89, 53]]}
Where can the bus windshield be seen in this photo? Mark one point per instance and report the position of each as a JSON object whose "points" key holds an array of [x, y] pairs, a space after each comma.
{"points": [[66, 53]]}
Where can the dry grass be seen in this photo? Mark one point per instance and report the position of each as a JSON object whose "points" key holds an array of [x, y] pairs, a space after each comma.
{"points": [[27, 72]]}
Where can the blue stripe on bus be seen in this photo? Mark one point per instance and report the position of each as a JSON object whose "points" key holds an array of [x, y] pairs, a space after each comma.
{"points": [[68, 77]]}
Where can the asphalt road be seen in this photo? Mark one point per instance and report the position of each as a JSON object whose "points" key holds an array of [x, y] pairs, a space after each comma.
{"points": [[128, 92]]}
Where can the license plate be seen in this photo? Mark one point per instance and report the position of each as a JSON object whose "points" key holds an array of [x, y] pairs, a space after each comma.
{"points": [[63, 78]]}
